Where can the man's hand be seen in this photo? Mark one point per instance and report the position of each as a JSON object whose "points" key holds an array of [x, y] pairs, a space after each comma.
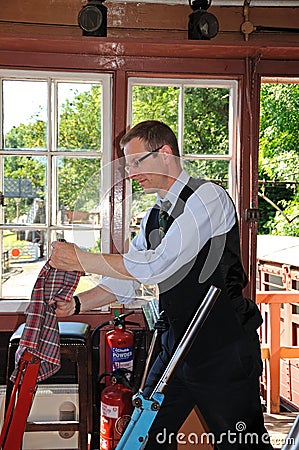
{"points": [[95, 297], [65, 309], [69, 257], [66, 256]]}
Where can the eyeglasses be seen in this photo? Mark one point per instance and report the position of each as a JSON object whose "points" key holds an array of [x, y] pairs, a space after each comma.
{"points": [[135, 164]]}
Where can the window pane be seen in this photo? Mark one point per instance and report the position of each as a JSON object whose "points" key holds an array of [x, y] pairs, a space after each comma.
{"points": [[24, 255], [78, 186], [213, 170], [24, 188], [206, 119], [156, 103], [89, 240], [79, 116], [25, 114], [279, 159], [23, 259]]}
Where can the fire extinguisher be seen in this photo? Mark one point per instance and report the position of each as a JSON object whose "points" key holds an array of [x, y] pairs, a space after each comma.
{"points": [[120, 345], [116, 409]]}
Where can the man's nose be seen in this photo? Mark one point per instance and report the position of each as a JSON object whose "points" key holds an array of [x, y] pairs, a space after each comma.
{"points": [[132, 171]]}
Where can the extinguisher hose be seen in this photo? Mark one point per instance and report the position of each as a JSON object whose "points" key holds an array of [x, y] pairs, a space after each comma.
{"points": [[96, 391]]}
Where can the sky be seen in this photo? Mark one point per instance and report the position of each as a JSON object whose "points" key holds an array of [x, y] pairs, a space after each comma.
{"points": [[24, 99], [21, 101]]}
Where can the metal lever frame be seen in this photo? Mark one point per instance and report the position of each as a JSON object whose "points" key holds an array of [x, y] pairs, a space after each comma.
{"points": [[145, 411], [292, 439]]}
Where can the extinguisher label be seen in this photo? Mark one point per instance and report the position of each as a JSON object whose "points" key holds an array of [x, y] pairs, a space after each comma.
{"points": [[122, 354], [110, 411]]}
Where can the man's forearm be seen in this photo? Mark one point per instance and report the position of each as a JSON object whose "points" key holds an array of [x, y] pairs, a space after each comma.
{"points": [[91, 299], [67, 256], [95, 298], [105, 264]]}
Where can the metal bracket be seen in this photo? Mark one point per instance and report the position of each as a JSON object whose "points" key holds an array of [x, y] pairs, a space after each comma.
{"points": [[252, 215], [247, 27]]}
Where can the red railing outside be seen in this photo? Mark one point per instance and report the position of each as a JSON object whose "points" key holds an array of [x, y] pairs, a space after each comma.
{"points": [[278, 297], [272, 349]]}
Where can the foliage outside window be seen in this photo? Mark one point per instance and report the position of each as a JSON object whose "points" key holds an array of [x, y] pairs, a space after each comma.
{"points": [[279, 159], [201, 114]]}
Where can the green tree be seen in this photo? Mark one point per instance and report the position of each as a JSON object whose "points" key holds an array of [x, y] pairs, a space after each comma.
{"points": [[206, 119], [153, 103], [156, 103], [279, 159], [80, 121], [24, 168], [32, 135], [206, 113], [205, 132], [80, 129]]}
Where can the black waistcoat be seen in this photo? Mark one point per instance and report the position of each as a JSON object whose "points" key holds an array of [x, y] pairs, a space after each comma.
{"points": [[218, 263]]}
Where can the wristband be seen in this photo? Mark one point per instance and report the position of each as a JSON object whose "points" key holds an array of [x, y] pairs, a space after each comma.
{"points": [[77, 305]]}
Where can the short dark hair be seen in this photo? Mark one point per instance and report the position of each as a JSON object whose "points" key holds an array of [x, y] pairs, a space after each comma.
{"points": [[154, 134]]}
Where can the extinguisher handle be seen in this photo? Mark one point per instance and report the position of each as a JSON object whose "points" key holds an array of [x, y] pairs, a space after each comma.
{"points": [[128, 322], [123, 316], [122, 319]]}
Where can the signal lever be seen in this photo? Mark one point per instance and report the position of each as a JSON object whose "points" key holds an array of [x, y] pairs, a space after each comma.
{"points": [[136, 432]]}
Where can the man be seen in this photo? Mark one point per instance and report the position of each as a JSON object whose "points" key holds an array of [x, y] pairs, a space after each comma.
{"points": [[197, 246]]}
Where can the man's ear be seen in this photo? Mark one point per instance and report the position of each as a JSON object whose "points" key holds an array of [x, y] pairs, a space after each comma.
{"points": [[167, 155], [167, 149]]}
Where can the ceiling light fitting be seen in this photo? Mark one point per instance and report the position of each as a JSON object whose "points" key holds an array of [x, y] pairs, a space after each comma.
{"points": [[92, 18], [202, 25]]}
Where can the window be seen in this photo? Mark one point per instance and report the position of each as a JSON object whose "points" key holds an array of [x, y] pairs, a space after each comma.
{"points": [[56, 135], [203, 114], [279, 157]]}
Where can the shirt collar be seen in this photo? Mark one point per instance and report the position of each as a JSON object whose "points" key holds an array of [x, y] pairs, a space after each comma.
{"points": [[174, 191]]}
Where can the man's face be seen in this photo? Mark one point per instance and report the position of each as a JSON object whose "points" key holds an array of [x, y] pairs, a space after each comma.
{"points": [[150, 173]]}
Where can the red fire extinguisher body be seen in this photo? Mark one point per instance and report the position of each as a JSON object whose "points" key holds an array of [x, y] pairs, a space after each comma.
{"points": [[116, 410], [119, 349]]}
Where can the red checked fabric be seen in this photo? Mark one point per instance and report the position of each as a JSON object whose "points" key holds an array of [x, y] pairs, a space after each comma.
{"points": [[41, 331]]}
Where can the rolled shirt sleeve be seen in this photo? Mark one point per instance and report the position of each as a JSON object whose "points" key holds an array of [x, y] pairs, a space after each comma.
{"points": [[124, 290]]}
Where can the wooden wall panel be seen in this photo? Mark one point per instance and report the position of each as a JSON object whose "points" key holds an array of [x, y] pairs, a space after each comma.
{"points": [[142, 20], [63, 12]]}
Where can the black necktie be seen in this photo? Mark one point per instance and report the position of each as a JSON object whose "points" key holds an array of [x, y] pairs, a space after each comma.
{"points": [[163, 217]]}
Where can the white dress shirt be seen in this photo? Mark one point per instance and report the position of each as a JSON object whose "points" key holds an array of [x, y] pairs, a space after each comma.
{"points": [[208, 213]]}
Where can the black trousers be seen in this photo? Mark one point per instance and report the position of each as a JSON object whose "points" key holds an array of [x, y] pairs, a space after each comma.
{"points": [[224, 386]]}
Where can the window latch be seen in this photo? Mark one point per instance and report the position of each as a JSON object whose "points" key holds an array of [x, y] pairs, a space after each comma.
{"points": [[2, 199], [252, 215]]}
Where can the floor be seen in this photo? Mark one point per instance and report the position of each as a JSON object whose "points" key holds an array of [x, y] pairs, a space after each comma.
{"points": [[278, 426]]}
